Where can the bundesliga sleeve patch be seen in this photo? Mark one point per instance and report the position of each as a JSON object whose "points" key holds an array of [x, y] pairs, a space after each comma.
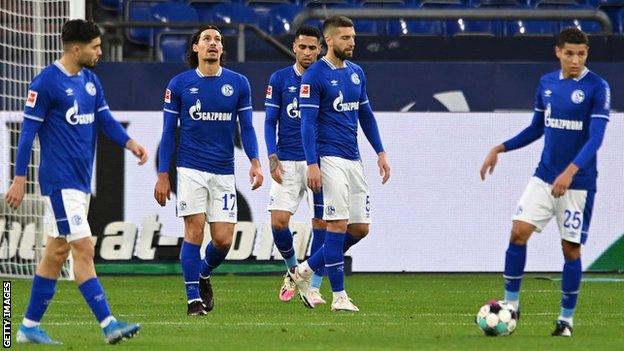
{"points": [[168, 96], [305, 91], [32, 98], [269, 92]]}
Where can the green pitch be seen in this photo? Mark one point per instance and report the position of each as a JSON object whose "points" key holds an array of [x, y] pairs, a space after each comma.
{"points": [[398, 312]]}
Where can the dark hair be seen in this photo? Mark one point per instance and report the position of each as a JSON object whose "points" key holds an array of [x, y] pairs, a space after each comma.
{"points": [[308, 31], [79, 31], [572, 35], [336, 21], [191, 56]]}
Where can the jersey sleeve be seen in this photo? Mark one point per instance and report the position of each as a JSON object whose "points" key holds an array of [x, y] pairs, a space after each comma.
{"points": [[244, 98], [364, 93], [273, 98], [39, 99], [538, 105], [601, 101], [100, 100], [172, 103]]}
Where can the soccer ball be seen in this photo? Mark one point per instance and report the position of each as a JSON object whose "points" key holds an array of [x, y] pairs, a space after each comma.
{"points": [[497, 318]]}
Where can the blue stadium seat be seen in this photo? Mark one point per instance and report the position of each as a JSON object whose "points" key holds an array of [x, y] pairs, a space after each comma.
{"points": [[528, 28], [323, 3], [171, 12], [204, 8], [173, 45], [407, 27], [465, 27], [589, 27], [499, 3], [230, 13], [281, 17], [620, 27], [139, 10]]}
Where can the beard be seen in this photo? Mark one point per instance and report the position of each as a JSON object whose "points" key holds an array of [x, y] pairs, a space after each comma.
{"points": [[211, 60], [342, 55], [88, 64]]}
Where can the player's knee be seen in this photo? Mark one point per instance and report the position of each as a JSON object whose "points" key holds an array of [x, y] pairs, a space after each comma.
{"points": [[520, 233], [59, 255], [222, 244], [83, 250], [571, 251], [318, 223], [279, 224], [358, 231]]}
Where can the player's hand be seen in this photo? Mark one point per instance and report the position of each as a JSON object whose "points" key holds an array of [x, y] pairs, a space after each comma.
{"points": [[15, 194], [138, 150], [563, 181], [162, 190], [384, 167], [490, 160], [314, 178], [276, 168], [255, 174]]}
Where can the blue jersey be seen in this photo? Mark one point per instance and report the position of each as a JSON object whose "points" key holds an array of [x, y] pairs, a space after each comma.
{"points": [[338, 94], [69, 108], [207, 109], [569, 107], [282, 96]]}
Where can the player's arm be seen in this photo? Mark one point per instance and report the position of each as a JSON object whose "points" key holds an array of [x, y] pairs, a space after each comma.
{"points": [[35, 111], [527, 136], [309, 95], [272, 108], [248, 135], [371, 131], [114, 130], [598, 125], [171, 113]]}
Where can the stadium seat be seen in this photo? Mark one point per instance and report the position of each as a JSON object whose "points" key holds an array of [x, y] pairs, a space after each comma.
{"points": [[407, 27], [465, 27], [139, 10], [281, 17], [499, 3], [171, 12], [172, 46], [111, 4], [204, 8], [322, 3], [529, 28], [233, 13]]}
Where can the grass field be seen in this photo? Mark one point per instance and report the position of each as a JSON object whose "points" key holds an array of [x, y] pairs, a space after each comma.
{"points": [[398, 312]]}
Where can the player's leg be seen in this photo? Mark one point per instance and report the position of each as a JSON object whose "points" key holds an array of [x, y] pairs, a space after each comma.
{"points": [[190, 260], [283, 239], [574, 211], [191, 205], [42, 292], [319, 228], [216, 251], [534, 210], [222, 216]]}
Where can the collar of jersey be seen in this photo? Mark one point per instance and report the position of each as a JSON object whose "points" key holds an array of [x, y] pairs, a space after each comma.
{"points": [[202, 75], [60, 66], [331, 65], [299, 74], [581, 76]]}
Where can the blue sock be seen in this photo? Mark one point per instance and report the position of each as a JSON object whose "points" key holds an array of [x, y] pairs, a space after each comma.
{"points": [[317, 260], [94, 295], [213, 258], [40, 297], [284, 242], [515, 260], [317, 242], [190, 261], [350, 240], [334, 259], [570, 285]]}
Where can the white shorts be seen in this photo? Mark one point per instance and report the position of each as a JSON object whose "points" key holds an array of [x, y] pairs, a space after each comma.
{"points": [[345, 191], [203, 192], [572, 210], [65, 215], [294, 188]]}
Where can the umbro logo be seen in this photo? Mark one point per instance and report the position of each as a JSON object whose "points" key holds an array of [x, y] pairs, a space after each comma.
{"points": [[69, 91], [334, 83], [292, 89], [194, 90], [547, 93]]}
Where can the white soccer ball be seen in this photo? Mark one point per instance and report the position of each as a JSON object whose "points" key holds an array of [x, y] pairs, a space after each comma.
{"points": [[497, 318]]}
